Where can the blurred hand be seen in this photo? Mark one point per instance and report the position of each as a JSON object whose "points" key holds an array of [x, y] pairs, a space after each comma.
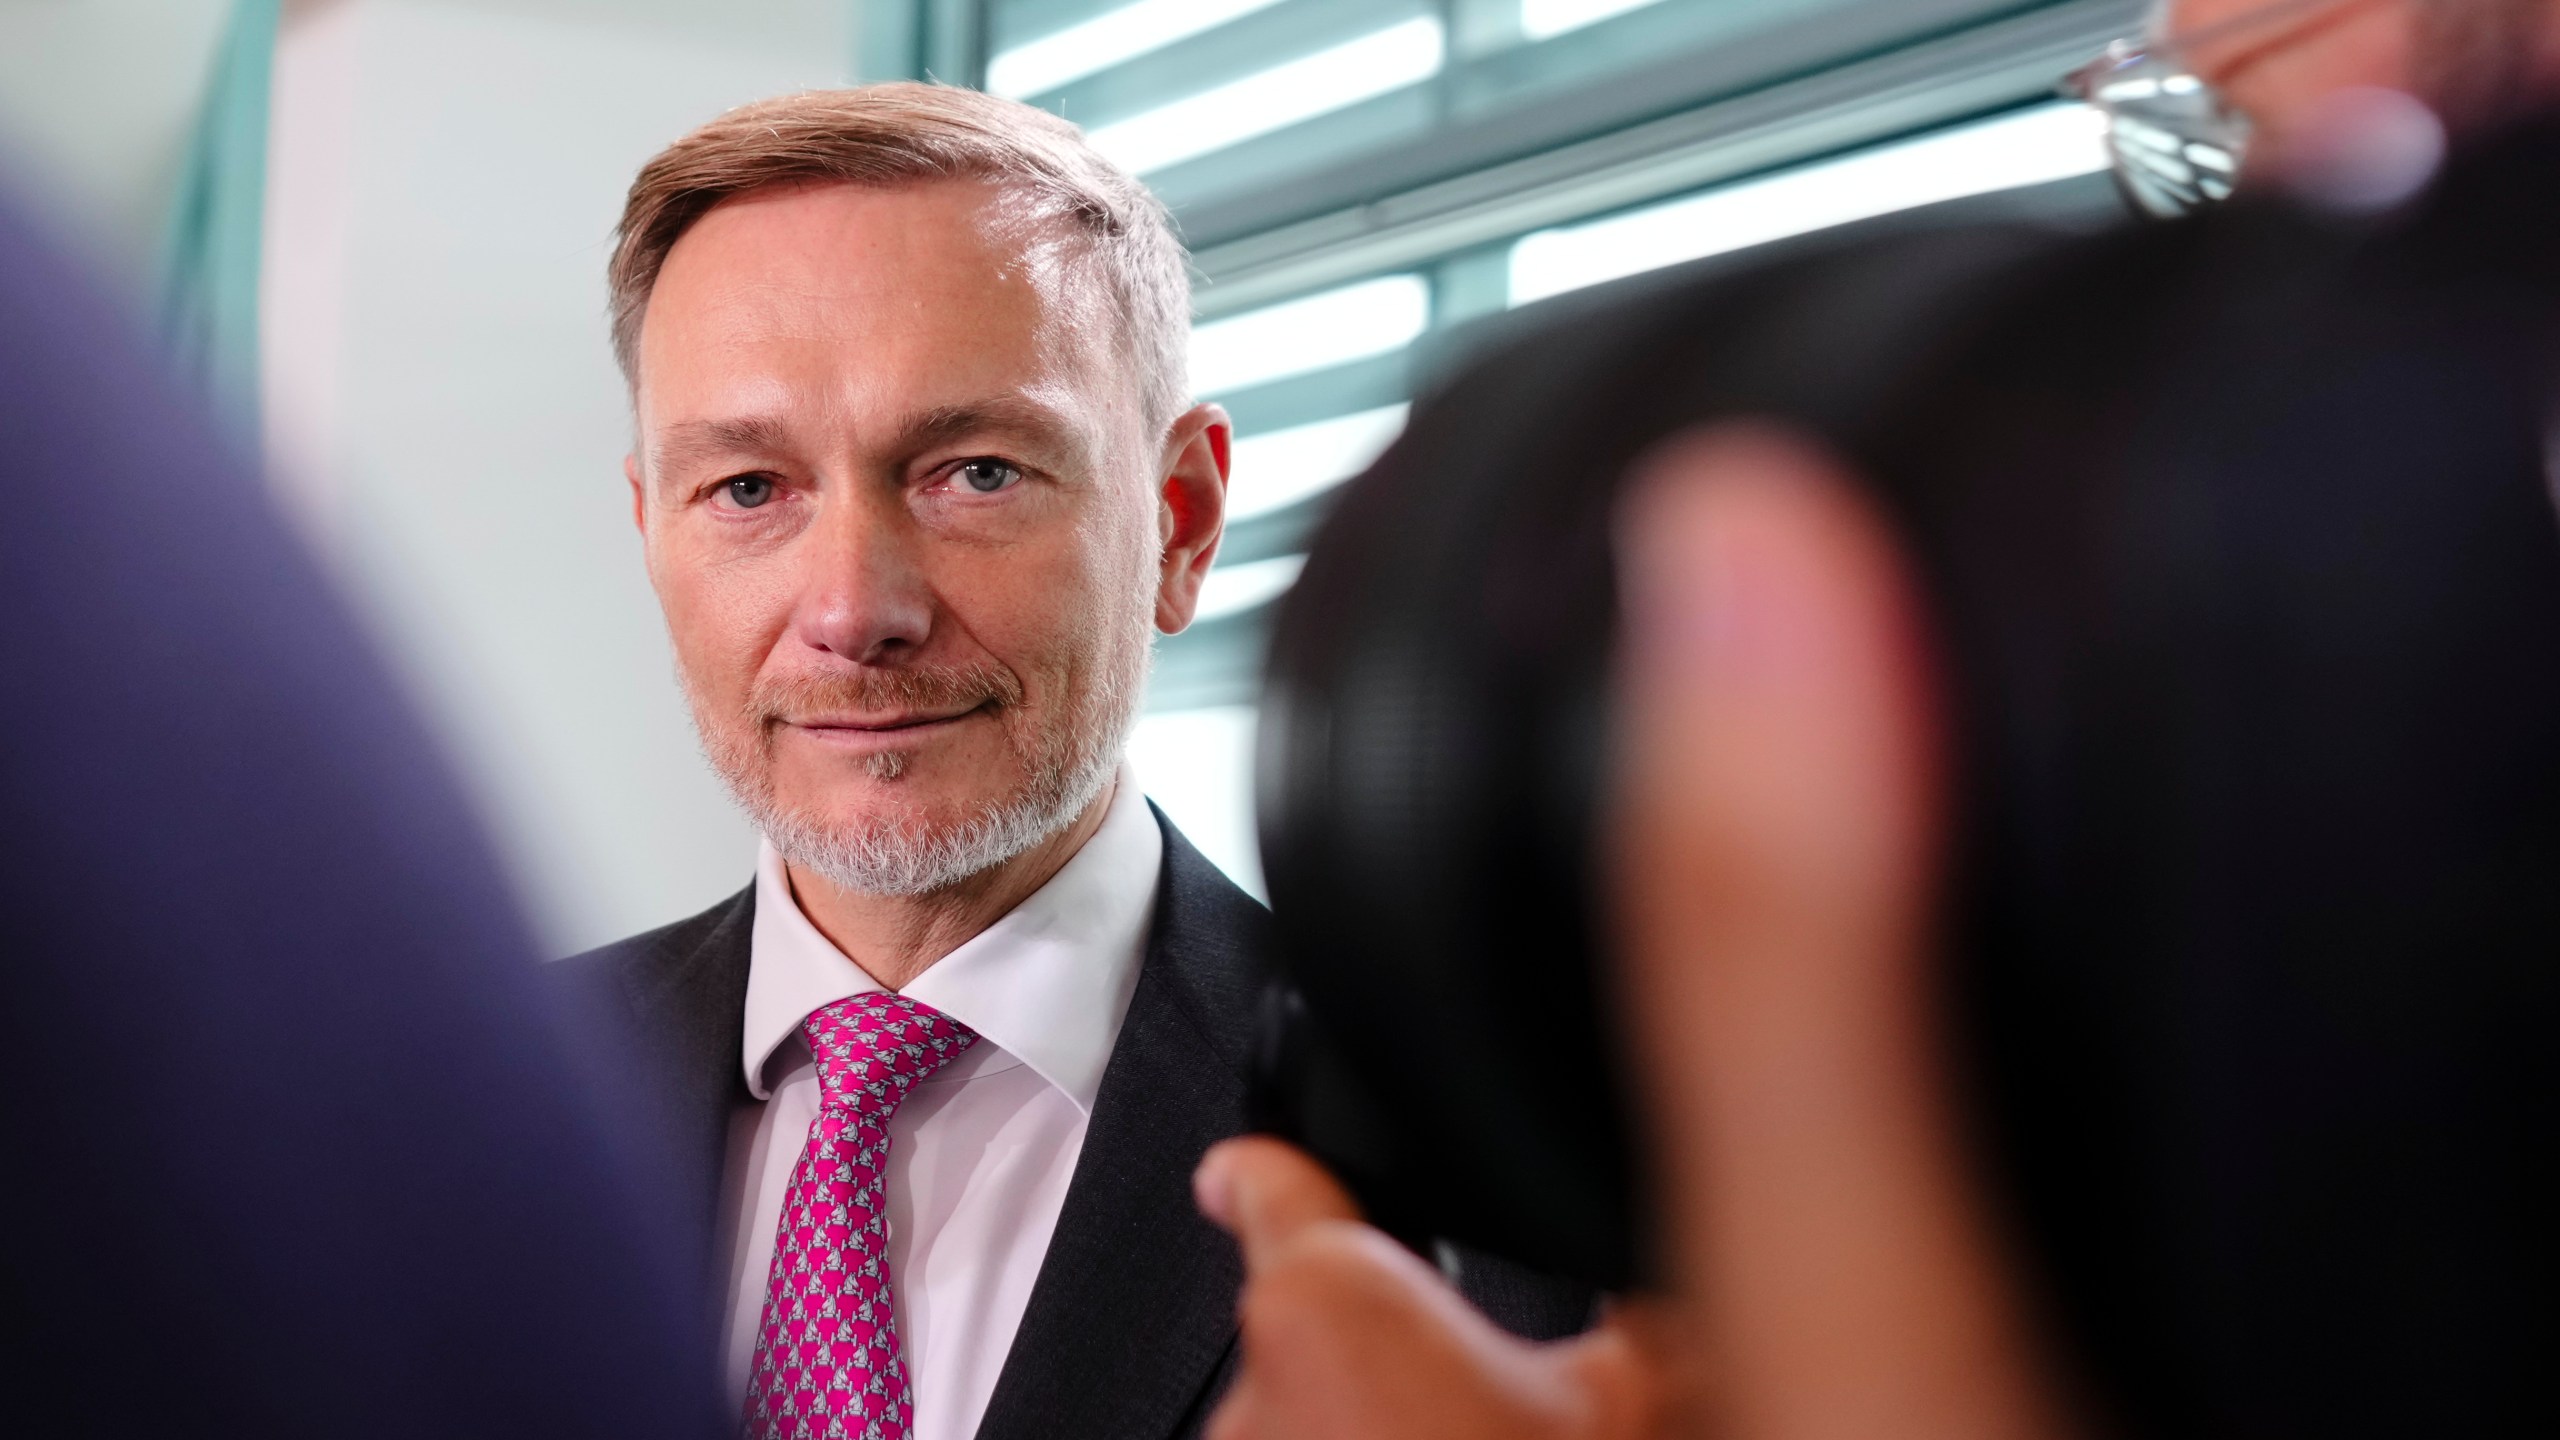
{"points": [[1776, 846], [1774, 849], [1348, 1336]]}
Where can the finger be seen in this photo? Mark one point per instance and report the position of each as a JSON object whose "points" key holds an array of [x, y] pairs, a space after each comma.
{"points": [[1776, 836], [1240, 1410], [1639, 1372], [1777, 702], [1347, 1336], [1267, 1193]]}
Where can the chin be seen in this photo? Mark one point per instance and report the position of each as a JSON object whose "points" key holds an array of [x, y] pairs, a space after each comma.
{"points": [[902, 838], [895, 791]]}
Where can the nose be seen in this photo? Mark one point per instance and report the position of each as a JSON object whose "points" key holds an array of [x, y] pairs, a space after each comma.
{"points": [[863, 594]]}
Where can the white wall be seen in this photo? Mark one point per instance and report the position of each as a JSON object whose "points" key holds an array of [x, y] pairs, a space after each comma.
{"points": [[444, 178], [1198, 766]]}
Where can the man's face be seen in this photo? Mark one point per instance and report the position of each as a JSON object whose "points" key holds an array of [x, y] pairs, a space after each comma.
{"points": [[899, 507]]}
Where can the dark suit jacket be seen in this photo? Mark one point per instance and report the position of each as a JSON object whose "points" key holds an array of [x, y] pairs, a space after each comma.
{"points": [[1130, 1333]]}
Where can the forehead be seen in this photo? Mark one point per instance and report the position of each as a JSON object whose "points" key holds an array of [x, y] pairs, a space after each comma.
{"points": [[909, 295]]}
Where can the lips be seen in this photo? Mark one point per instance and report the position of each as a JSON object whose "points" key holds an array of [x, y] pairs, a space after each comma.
{"points": [[875, 706], [885, 724]]}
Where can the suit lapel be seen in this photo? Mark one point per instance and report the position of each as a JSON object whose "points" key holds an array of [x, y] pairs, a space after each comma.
{"points": [[689, 994], [1135, 1305]]}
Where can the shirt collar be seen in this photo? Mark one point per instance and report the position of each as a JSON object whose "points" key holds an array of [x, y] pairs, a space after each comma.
{"points": [[1048, 983]]}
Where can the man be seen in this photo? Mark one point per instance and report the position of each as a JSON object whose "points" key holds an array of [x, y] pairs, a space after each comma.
{"points": [[1893, 1313], [294, 1148], [918, 476]]}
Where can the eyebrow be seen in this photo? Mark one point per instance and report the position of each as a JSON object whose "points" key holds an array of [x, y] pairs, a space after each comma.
{"points": [[691, 441], [1004, 413]]}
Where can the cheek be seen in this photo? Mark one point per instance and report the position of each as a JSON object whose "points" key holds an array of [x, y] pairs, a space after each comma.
{"points": [[722, 618], [1049, 612]]}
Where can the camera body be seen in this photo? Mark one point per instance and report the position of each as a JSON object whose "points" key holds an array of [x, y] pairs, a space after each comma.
{"points": [[1435, 726], [2242, 566]]}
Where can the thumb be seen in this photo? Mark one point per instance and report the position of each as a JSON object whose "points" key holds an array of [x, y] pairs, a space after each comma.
{"points": [[1267, 1193], [1778, 824]]}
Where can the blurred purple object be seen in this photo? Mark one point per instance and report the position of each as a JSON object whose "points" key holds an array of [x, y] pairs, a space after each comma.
{"points": [[295, 1145]]}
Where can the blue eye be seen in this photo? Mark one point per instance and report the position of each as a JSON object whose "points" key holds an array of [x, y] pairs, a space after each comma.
{"points": [[749, 491], [988, 476]]}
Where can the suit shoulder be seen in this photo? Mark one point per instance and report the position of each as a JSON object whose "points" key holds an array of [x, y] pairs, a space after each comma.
{"points": [[1213, 942], [630, 963], [1198, 905]]}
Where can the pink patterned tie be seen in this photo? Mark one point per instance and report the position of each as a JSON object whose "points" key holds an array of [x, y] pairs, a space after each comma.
{"points": [[827, 1358]]}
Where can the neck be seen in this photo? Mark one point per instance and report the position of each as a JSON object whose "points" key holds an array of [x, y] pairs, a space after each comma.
{"points": [[895, 938]]}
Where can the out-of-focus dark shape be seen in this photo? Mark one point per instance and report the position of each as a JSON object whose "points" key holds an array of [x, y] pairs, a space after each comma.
{"points": [[292, 1145], [2247, 581]]}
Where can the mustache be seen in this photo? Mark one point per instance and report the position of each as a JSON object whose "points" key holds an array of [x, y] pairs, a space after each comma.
{"points": [[871, 689]]}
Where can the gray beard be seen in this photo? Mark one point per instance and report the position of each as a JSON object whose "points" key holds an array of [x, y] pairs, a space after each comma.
{"points": [[894, 854], [885, 857]]}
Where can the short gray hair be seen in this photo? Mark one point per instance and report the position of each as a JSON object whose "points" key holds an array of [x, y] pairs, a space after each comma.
{"points": [[903, 133]]}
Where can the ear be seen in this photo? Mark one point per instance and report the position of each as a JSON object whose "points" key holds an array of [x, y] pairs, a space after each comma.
{"points": [[639, 497], [1191, 512]]}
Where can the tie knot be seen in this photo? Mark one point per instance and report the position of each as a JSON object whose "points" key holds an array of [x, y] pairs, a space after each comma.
{"points": [[874, 1047]]}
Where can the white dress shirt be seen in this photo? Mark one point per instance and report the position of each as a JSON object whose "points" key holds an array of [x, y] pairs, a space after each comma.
{"points": [[980, 1155]]}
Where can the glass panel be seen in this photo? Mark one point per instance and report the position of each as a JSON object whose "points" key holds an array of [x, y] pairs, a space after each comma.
{"points": [[2050, 142], [1048, 61], [1248, 113], [1337, 78], [1542, 19], [1275, 470], [1370, 318], [1234, 589]]}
